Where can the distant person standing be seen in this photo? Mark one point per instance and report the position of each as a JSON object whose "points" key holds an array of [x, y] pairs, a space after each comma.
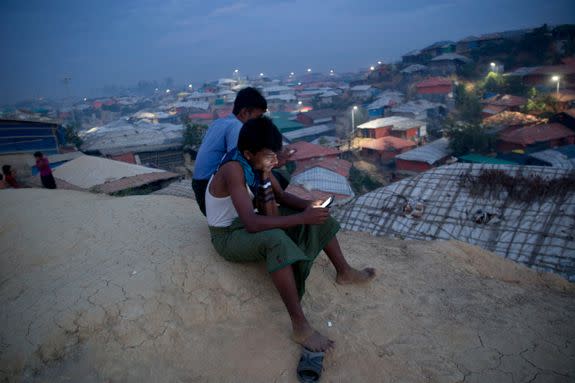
{"points": [[10, 176], [43, 166], [221, 137]]}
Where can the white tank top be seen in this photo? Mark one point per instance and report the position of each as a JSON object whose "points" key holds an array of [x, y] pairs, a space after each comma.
{"points": [[220, 212]]}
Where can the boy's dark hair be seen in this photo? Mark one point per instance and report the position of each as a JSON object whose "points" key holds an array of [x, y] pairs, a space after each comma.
{"points": [[6, 170], [38, 155], [259, 133], [249, 98]]}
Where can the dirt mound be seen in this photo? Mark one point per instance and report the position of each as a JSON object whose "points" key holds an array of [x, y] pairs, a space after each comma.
{"points": [[96, 288]]}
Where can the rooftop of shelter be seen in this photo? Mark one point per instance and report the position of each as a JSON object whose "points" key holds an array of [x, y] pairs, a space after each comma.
{"points": [[305, 151], [531, 134], [535, 233], [428, 153], [397, 122]]}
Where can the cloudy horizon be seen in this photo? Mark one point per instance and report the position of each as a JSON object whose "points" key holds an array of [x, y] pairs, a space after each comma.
{"points": [[120, 43]]}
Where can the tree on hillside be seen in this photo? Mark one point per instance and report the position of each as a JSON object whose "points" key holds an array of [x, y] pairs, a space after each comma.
{"points": [[535, 47], [468, 105], [541, 105], [71, 134], [193, 135], [467, 138], [494, 83], [514, 85]]}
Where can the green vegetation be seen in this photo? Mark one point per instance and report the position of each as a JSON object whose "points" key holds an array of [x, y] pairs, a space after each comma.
{"points": [[71, 134], [498, 83], [468, 105], [542, 105], [467, 137], [532, 49], [193, 134]]}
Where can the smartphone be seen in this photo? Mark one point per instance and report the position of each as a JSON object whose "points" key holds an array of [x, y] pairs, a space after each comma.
{"points": [[327, 202]]}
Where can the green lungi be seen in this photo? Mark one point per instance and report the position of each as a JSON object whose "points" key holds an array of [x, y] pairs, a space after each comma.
{"points": [[297, 245]]}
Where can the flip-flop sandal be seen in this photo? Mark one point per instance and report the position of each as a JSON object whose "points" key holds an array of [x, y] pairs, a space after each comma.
{"points": [[310, 366]]}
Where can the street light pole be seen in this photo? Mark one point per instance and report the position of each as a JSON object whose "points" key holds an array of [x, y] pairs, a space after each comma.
{"points": [[557, 79], [353, 123]]}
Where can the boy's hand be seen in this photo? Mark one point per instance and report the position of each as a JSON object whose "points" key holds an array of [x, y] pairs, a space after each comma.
{"points": [[317, 203], [314, 215]]}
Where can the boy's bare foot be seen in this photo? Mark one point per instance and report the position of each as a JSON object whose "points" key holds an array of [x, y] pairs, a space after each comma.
{"points": [[351, 276], [311, 339]]}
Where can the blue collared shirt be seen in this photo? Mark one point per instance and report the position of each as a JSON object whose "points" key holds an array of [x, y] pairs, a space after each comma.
{"points": [[221, 137]]}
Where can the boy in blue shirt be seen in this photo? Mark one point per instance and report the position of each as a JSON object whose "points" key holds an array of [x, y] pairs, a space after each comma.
{"points": [[222, 136]]}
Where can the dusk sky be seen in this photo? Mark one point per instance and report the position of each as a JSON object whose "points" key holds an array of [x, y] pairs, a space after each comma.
{"points": [[119, 42]]}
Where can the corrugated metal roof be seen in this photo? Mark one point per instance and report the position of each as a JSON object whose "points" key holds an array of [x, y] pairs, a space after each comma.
{"points": [[436, 81], [305, 150], [523, 71], [537, 133], [416, 106], [282, 97], [385, 100], [310, 131], [430, 153], [322, 179], [388, 143], [396, 122], [479, 159], [133, 182], [285, 125], [451, 57], [562, 157], [317, 114], [123, 136], [360, 88], [89, 171], [341, 167], [414, 68]]}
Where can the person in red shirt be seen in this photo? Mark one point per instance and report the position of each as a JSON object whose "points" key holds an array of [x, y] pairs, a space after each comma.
{"points": [[2, 183], [43, 166], [9, 176]]}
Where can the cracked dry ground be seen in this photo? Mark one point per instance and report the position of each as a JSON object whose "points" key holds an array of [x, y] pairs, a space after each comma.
{"points": [[102, 289]]}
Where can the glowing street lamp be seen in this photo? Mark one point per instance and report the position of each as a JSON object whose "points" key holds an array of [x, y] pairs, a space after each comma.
{"points": [[292, 74], [353, 121], [190, 86], [379, 63], [261, 75], [372, 68], [331, 72], [557, 79], [236, 71], [167, 91]]}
